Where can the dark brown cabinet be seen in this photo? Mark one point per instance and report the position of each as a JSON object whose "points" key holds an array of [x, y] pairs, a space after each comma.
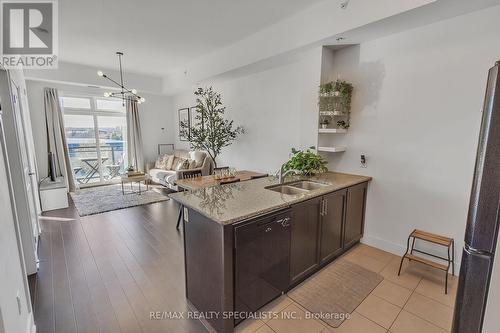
{"points": [[304, 239], [355, 214], [332, 215], [323, 228], [244, 265]]}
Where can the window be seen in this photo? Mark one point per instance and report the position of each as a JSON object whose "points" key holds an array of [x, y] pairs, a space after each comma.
{"points": [[110, 104], [76, 103], [96, 133]]}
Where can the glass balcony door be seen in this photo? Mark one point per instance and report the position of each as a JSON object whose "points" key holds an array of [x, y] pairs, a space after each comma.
{"points": [[112, 145], [96, 132]]}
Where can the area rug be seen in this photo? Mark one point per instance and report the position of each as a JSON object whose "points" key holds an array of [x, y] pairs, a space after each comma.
{"points": [[335, 291], [102, 199]]}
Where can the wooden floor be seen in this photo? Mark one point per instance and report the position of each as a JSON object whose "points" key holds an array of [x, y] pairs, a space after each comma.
{"points": [[106, 272]]}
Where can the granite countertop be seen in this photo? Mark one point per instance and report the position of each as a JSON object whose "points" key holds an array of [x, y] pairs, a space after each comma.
{"points": [[235, 202]]}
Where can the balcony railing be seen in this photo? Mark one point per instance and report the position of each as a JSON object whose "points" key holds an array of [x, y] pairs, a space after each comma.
{"points": [[85, 161]]}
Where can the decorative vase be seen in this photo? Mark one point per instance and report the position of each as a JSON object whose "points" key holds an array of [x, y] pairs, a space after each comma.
{"points": [[324, 126]]}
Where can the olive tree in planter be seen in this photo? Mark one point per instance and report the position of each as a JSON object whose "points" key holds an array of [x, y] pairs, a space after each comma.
{"points": [[210, 131]]}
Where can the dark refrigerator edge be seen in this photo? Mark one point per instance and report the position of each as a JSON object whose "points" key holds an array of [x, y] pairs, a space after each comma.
{"points": [[482, 221]]}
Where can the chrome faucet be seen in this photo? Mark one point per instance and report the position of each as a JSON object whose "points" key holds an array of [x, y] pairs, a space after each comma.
{"points": [[282, 173]]}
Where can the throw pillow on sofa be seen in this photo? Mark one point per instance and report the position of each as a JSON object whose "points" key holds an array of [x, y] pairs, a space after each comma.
{"points": [[169, 162], [175, 161], [198, 156], [160, 164], [182, 164], [192, 164]]}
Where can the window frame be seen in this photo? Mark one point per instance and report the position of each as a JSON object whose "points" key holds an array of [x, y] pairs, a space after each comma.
{"points": [[95, 113]]}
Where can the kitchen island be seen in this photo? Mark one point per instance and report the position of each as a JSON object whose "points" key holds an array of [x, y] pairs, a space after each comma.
{"points": [[247, 243]]}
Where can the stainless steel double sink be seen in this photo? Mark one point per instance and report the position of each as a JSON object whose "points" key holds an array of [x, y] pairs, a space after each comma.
{"points": [[296, 188]]}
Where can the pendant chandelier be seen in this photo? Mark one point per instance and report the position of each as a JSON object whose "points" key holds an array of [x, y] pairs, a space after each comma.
{"points": [[124, 92]]}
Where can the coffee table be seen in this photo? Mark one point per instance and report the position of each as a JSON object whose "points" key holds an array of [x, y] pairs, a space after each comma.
{"points": [[135, 179]]}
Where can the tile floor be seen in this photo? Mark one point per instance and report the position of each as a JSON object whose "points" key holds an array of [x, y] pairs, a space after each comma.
{"points": [[411, 303]]}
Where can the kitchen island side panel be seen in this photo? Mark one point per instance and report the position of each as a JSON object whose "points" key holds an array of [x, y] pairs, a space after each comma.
{"points": [[209, 269]]}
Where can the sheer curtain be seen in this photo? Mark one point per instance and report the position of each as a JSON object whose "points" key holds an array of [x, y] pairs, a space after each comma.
{"points": [[134, 136], [56, 137]]}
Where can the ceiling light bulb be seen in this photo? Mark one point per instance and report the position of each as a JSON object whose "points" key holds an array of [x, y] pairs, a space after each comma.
{"points": [[134, 91], [107, 94], [100, 73], [142, 99]]}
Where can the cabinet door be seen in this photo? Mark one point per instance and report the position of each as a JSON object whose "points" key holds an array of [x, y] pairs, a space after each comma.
{"points": [[331, 225], [304, 239], [355, 214]]}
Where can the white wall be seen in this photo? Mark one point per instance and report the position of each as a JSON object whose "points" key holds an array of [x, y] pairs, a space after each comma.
{"points": [[156, 113], [277, 109], [416, 115]]}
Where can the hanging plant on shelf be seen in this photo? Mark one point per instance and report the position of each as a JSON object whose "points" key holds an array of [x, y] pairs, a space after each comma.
{"points": [[343, 124], [335, 101], [343, 89], [324, 121], [340, 92], [326, 89]]}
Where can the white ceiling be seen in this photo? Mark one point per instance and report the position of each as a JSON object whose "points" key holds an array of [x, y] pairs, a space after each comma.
{"points": [[158, 36]]}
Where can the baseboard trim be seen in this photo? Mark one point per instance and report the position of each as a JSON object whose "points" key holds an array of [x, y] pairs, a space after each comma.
{"points": [[397, 249]]}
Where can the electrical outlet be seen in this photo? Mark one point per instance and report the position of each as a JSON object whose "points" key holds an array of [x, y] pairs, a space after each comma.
{"points": [[363, 161]]}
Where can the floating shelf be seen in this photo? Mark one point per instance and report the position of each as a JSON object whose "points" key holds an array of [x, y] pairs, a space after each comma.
{"points": [[330, 96], [332, 149], [331, 130], [332, 113]]}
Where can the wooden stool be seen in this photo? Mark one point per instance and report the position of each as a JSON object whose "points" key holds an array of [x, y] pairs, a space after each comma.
{"points": [[449, 243]]}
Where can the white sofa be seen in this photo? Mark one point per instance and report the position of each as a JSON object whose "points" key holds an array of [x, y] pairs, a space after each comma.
{"points": [[168, 177]]}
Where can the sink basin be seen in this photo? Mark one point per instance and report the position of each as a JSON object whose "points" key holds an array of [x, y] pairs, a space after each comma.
{"points": [[308, 185], [286, 189]]}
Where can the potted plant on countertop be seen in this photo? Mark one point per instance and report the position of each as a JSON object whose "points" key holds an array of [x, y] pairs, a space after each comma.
{"points": [[309, 162]]}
